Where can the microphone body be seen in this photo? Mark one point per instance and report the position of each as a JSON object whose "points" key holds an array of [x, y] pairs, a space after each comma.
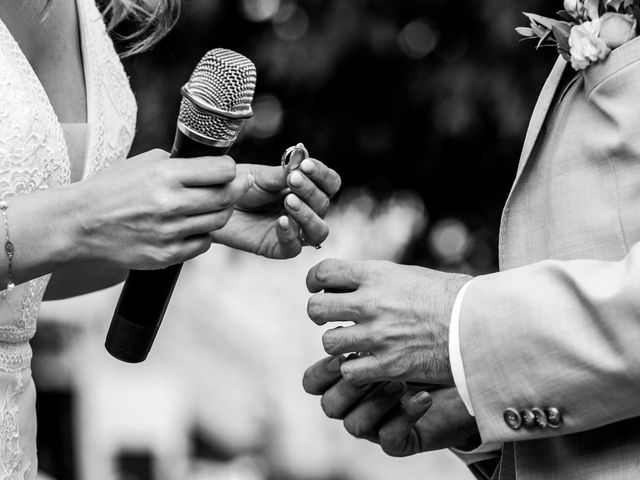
{"points": [[215, 104], [146, 293]]}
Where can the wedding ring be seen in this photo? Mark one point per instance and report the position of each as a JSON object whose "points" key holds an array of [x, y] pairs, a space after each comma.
{"points": [[288, 162]]}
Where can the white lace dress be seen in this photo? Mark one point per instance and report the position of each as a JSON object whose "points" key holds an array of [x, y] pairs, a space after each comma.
{"points": [[33, 155]]}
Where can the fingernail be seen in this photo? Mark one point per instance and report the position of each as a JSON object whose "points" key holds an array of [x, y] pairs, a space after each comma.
{"points": [[251, 179], [308, 167], [284, 223], [394, 387], [334, 365], [296, 180], [423, 398], [293, 202]]}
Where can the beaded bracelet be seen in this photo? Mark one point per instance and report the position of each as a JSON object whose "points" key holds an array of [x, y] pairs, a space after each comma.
{"points": [[9, 249]]}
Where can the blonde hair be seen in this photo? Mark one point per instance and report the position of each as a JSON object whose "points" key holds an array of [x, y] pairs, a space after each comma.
{"points": [[154, 17]]}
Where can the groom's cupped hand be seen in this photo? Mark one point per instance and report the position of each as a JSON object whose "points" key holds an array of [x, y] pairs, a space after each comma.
{"points": [[400, 314], [404, 419]]}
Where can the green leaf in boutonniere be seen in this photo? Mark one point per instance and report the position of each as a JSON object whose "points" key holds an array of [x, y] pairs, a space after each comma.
{"points": [[563, 43], [566, 15], [634, 10]]}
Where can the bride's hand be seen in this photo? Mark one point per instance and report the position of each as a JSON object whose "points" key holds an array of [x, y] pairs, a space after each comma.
{"points": [[283, 210]]}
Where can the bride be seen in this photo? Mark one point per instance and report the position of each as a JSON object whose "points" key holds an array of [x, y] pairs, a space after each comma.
{"points": [[73, 218]]}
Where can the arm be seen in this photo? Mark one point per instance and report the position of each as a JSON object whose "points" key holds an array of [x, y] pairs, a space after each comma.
{"points": [[571, 329], [147, 213]]}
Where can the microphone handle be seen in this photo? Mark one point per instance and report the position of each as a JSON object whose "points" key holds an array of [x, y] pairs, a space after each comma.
{"points": [[146, 293]]}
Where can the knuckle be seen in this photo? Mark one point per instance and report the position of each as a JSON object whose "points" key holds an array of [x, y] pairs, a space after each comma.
{"points": [[377, 336], [220, 219], [323, 205], [225, 199], [166, 256], [227, 168], [355, 427], [371, 306], [392, 368], [173, 254], [329, 408], [166, 233], [159, 154], [331, 343], [164, 203], [308, 384], [390, 446], [351, 375], [324, 269], [313, 309], [338, 183], [203, 246]]}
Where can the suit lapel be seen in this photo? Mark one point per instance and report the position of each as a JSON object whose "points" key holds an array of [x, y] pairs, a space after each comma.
{"points": [[540, 112]]}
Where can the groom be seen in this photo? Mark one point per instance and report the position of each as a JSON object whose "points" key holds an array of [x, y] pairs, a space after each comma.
{"points": [[537, 366]]}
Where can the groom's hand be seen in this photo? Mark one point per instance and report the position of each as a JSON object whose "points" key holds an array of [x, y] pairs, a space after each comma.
{"points": [[401, 318], [402, 419]]}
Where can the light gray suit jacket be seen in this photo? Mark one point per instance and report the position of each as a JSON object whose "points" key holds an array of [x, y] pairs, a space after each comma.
{"points": [[559, 325]]}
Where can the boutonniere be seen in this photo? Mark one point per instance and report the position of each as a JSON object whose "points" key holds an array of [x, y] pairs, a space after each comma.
{"points": [[587, 31]]}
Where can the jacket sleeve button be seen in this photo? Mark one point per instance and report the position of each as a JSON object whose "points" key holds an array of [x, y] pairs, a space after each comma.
{"points": [[512, 418], [541, 418], [528, 418], [554, 417]]}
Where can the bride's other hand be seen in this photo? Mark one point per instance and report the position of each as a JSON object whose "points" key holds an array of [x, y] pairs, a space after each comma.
{"points": [[283, 210]]}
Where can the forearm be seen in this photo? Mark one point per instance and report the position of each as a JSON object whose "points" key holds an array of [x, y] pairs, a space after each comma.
{"points": [[84, 278], [554, 334]]}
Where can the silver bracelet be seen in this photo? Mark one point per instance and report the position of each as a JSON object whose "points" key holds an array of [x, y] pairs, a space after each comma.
{"points": [[9, 249]]}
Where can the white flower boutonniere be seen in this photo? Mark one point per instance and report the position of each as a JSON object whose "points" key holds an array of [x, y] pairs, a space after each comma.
{"points": [[588, 29]]}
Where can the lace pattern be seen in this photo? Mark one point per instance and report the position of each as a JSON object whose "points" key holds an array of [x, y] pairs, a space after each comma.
{"points": [[13, 465], [33, 156]]}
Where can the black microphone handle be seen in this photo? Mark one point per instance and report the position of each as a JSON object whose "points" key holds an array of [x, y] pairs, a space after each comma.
{"points": [[146, 293]]}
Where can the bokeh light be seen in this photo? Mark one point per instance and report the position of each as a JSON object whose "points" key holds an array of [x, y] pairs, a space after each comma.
{"points": [[419, 38], [291, 23], [260, 10], [449, 240], [267, 117]]}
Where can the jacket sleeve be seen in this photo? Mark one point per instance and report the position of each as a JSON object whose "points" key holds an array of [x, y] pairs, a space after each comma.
{"points": [[554, 334]]}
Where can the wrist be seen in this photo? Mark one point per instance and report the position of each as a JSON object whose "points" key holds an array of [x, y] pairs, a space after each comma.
{"points": [[74, 239], [41, 231]]}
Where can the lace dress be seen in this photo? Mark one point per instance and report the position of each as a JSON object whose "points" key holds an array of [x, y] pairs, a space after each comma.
{"points": [[33, 156]]}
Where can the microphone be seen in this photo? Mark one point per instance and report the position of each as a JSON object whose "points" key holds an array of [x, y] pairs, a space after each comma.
{"points": [[215, 103]]}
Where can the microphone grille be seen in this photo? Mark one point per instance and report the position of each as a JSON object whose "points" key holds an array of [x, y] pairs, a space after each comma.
{"points": [[225, 81]]}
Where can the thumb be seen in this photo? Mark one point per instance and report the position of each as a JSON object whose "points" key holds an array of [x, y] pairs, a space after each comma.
{"points": [[395, 435]]}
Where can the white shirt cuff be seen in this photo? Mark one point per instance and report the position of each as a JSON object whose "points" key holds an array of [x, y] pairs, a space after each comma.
{"points": [[455, 355]]}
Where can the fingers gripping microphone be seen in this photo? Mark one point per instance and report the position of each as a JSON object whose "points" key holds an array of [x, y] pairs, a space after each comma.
{"points": [[216, 102]]}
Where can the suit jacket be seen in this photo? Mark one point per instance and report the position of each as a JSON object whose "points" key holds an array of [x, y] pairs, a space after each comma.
{"points": [[559, 325]]}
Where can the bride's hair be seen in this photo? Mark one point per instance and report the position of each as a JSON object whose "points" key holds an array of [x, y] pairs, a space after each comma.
{"points": [[154, 19]]}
